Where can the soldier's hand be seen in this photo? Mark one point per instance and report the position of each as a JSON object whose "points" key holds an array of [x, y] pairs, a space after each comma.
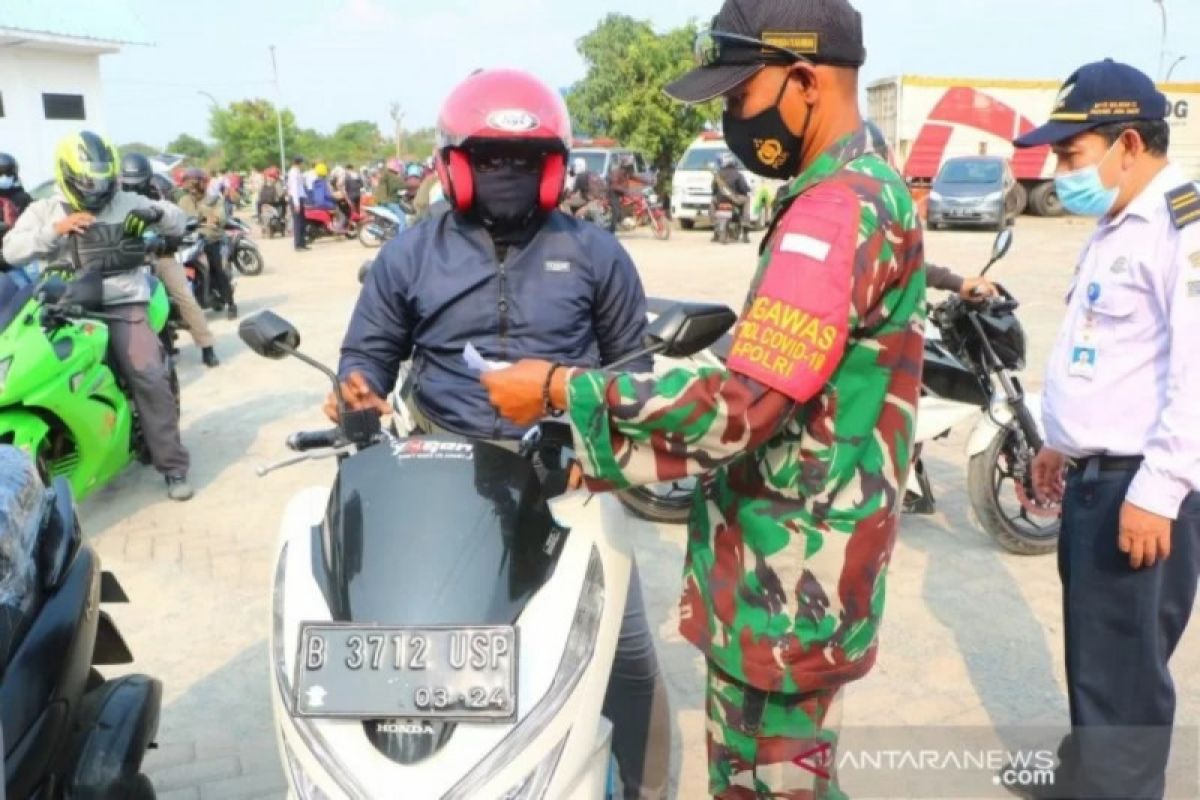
{"points": [[1144, 536], [1049, 467], [516, 391], [358, 395], [74, 223], [977, 289]]}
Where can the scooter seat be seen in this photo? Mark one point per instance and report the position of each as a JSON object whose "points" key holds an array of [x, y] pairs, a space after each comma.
{"points": [[22, 508]]}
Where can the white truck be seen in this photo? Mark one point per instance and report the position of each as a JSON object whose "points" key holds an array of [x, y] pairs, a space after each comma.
{"points": [[927, 120], [691, 185]]}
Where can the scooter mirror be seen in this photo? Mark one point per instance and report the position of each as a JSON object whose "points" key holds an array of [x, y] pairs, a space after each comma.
{"points": [[687, 328], [1003, 244], [267, 334]]}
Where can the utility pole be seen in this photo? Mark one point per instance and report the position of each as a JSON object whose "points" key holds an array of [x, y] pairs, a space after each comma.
{"points": [[398, 120], [1162, 48], [278, 110]]}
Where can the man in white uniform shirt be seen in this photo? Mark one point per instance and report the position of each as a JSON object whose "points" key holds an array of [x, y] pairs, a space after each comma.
{"points": [[1122, 418]]}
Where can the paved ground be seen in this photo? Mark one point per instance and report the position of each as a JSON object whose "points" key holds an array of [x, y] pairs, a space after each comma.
{"points": [[972, 634]]}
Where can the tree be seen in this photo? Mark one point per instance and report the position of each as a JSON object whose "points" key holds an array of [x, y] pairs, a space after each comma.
{"points": [[138, 147], [354, 143], [189, 146], [419, 144], [397, 125], [621, 95], [246, 132]]}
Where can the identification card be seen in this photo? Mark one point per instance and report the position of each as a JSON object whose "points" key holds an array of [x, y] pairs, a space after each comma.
{"points": [[1085, 352]]}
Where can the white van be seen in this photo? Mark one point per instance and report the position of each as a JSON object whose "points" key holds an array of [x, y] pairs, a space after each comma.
{"points": [[691, 187]]}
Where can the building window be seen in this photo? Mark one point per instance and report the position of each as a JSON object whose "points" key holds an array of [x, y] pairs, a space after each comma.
{"points": [[63, 106]]}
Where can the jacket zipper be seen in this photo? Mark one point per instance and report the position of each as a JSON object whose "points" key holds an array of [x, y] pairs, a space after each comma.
{"points": [[502, 308]]}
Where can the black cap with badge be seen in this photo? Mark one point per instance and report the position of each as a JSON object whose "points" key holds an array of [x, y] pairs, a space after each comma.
{"points": [[1098, 94], [747, 35]]}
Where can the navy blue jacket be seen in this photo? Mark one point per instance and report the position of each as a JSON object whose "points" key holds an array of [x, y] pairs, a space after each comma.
{"points": [[571, 295]]}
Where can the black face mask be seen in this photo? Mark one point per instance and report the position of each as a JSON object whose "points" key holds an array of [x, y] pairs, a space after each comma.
{"points": [[764, 143], [506, 199]]}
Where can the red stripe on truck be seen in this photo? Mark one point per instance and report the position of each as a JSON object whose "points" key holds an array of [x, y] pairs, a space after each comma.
{"points": [[963, 105]]}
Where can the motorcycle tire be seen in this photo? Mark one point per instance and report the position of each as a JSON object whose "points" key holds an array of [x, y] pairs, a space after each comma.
{"points": [[983, 490], [142, 789], [657, 503], [248, 260], [368, 239], [660, 226]]}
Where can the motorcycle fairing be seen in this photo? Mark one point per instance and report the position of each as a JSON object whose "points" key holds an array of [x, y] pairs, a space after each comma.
{"points": [[476, 515]]}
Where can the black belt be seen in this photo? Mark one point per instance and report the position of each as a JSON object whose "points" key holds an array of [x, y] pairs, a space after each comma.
{"points": [[1105, 463]]}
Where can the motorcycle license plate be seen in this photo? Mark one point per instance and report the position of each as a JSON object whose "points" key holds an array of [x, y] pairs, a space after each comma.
{"points": [[454, 673]]}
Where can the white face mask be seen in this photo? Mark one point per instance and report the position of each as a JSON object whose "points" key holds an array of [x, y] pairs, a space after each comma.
{"points": [[7, 182]]}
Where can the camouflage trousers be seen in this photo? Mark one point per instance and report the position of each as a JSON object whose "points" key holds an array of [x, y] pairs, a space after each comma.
{"points": [[766, 745]]}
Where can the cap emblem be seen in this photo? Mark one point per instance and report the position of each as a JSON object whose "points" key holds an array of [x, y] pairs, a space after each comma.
{"points": [[513, 120], [770, 152]]}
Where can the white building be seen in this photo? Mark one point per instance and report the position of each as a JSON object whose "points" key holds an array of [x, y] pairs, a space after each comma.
{"points": [[49, 87]]}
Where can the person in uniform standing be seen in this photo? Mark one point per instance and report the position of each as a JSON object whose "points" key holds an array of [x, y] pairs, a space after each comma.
{"points": [[1123, 429], [297, 193], [805, 437]]}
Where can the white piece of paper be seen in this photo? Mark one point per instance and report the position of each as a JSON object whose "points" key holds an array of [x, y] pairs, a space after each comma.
{"points": [[478, 363]]}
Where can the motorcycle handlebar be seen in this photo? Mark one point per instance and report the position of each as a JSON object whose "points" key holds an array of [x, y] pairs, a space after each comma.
{"points": [[314, 440]]}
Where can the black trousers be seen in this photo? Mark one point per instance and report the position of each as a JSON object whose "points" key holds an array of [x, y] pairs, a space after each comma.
{"points": [[298, 225], [1120, 627], [219, 287]]}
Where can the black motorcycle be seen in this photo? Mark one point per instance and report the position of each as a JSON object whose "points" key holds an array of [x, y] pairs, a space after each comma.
{"points": [[969, 363], [191, 254], [68, 731], [241, 250], [969, 366]]}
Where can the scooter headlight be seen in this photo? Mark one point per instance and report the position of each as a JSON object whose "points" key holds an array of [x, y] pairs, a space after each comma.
{"points": [[577, 654]]}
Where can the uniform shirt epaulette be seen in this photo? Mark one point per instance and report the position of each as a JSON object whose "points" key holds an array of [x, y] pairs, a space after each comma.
{"points": [[1184, 204]]}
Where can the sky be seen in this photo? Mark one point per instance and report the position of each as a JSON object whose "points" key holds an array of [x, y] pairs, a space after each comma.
{"points": [[345, 60]]}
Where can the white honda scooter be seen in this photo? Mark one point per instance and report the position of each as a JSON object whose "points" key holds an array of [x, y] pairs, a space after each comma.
{"points": [[444, 617]]}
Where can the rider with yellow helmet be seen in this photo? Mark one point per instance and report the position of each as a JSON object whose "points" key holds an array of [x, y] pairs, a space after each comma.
{"points": [[90, 207]]}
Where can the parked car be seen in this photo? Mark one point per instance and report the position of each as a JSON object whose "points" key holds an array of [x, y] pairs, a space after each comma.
{"points": [[691, 186], [974, 191], [601, 159]]}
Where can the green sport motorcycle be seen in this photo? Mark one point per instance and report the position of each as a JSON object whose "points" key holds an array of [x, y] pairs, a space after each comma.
{"points": [[60, 400]]}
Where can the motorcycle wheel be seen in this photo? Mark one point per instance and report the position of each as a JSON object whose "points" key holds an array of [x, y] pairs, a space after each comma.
{"points": [[248, 260], [1003, 507], [660, 226], [670, 503], [368, 239], [142, 789]]}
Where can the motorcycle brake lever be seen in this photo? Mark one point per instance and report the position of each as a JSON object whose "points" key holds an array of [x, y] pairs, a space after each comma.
{"points": [[313, 455]]}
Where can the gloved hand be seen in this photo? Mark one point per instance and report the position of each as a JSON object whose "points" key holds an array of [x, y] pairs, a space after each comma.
{"points": [[139, 219]]}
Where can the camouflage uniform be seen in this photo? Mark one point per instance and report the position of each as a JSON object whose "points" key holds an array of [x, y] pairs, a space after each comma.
{"points": [[803, 443]]}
